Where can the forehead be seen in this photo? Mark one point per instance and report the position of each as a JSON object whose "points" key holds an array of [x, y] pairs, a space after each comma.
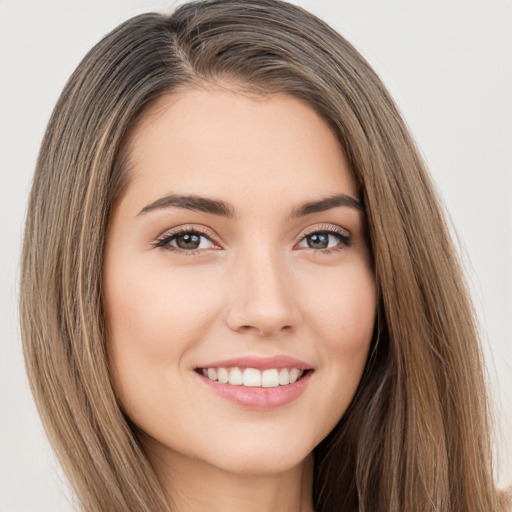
{"points": [[224, 143]]}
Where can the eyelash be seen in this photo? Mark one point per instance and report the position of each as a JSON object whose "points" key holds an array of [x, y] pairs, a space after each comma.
{"points": [[167, 238], [164, 241]]}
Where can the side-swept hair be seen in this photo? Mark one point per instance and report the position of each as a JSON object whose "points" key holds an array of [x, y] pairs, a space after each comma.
{"points": [[416, 435]]}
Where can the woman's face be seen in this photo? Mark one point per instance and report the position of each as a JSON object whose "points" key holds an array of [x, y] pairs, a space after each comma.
{"points": [[238, 251]]}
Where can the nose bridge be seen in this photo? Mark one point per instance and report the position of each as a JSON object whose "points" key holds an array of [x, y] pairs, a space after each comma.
{"points": [[262, 297]]}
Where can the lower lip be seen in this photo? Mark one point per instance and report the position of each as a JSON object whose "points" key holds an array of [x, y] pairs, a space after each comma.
{"points": [[260, 398]]}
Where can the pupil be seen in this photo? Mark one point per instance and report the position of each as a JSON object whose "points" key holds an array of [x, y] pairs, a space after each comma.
{"points": [[188, 241], [318, 241]]}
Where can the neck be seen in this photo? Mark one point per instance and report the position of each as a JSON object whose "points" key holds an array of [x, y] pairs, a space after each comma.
{"points": [[195, 486]]}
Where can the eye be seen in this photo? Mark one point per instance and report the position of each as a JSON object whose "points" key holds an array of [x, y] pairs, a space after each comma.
{"points": [[325, 240], [186, 240]]}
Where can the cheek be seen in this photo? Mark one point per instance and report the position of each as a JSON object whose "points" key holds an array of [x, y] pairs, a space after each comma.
{"points": [[351, 324], [154, 306], [155, 315], [342, 313], [342, 307]]}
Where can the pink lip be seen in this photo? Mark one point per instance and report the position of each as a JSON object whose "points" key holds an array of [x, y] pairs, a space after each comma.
{"points": [[256, 397], [260, 363], [259, 398]]}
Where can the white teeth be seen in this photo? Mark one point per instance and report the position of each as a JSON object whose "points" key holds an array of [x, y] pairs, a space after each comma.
{"points": [[252, 377], [294, 375], [270, 379], [222, 375], [235, 377]]}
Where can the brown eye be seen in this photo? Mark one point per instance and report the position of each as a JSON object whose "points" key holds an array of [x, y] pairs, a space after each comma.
{"points": [[188, 241], [318, 240], [325, 241]]}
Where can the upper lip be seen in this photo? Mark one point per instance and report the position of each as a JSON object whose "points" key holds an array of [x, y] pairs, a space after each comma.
{"points": [[260, 363]]}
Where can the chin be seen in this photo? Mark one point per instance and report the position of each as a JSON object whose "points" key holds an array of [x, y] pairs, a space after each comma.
{"points": [[265, 458]]}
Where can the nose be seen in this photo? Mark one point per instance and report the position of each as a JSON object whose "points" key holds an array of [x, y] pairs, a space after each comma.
{"points": [[262, 299]]}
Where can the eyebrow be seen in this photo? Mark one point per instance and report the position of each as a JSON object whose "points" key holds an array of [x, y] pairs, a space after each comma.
{"points": [[326, 204], [192, 202], [223, 209]]}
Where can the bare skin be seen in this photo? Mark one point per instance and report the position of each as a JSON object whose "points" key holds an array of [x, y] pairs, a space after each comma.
{"points": [[274, 267]]}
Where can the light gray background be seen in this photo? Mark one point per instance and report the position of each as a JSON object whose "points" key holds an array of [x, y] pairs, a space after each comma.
{"points": [[448, 65]]}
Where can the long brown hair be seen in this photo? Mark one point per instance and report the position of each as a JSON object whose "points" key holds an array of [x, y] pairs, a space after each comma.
{"points": [[416, 436]]}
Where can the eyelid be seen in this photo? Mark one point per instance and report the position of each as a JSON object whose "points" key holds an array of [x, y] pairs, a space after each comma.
{"points": [[344, 234], [325, 227], [163, 239]]}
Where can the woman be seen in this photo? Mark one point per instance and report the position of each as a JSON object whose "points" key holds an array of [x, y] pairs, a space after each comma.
{"points": [[226, 197]]}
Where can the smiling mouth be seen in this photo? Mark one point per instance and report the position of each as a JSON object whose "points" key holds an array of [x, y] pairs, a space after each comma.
{"points": [[252, 377]]}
